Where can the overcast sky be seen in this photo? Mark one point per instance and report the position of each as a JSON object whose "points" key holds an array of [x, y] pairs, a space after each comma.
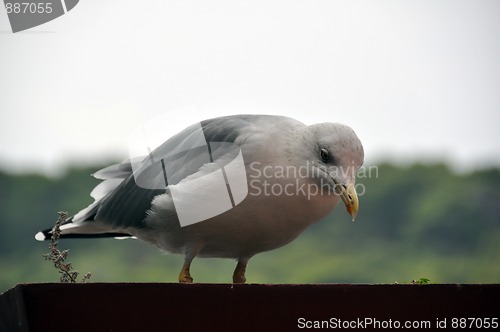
{"points": [[417, 80]]}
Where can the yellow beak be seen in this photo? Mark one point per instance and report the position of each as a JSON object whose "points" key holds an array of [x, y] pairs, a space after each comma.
{"points": [[350, 198]]}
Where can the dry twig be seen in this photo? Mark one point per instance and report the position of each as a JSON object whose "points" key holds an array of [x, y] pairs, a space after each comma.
{"points": [[68, 274]]}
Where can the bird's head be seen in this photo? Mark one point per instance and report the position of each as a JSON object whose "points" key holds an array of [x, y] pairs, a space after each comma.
{"points": [[337, 154]]}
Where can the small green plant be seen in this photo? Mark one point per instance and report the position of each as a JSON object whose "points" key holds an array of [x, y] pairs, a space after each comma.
{"points": [[421, 281], [68, 274]]}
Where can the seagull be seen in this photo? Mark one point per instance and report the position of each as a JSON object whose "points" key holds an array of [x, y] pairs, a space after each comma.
{"points": [[229, 187]]}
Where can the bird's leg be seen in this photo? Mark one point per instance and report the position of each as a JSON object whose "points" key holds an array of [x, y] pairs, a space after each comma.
{"points": [[239, 271], [185, 276]]}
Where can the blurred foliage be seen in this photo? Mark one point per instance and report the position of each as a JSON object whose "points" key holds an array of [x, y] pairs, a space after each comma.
{"points": [[415, 222]]}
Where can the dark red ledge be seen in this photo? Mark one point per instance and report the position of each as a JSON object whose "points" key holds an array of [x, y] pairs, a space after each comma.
{"points": [[225, 307]]}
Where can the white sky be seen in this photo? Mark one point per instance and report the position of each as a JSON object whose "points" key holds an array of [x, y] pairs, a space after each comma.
{"points": [[417, 80]]}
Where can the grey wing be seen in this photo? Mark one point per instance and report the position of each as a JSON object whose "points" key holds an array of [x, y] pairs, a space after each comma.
{"points": [[133, 185]]}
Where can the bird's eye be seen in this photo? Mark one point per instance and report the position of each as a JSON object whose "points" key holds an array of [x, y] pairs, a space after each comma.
{"points": [[324, 154]]}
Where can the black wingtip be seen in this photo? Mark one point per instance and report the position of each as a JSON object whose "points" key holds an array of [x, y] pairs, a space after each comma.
{"points": [[47, 235], [94, 236]]}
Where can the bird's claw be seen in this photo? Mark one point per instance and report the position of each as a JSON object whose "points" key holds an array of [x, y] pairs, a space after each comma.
{"points": [[185, 279], [239, 279], [185, 276], [239, 272]]}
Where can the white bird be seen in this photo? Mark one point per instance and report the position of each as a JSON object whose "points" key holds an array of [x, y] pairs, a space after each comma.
{"points": [[229, 187]]}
